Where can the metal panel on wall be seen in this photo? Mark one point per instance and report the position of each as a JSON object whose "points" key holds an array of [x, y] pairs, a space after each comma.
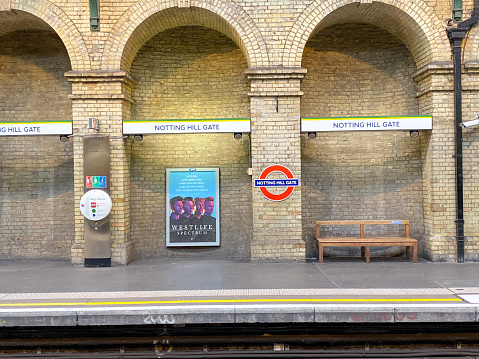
{"points": [[96, 166]]}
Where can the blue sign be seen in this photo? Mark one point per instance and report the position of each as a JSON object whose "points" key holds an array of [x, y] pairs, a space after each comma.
{"points": [[276, 182], [102, 181]]}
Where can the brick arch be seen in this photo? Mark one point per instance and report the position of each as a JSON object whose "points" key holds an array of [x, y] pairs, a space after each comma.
{"points": [[471, 53], [63, 26], [413, 23], [149, 17]]}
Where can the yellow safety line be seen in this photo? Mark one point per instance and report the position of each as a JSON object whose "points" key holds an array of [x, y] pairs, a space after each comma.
{"points": [[264, 300]]}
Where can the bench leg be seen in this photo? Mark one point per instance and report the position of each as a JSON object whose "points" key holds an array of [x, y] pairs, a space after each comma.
{"points": [[414, 253], [362, 252], [320, 253], [368, 254]]}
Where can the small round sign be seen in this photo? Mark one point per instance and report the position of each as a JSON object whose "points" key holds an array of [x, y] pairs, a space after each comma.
{"points": [[263, 182], [95, 204]]}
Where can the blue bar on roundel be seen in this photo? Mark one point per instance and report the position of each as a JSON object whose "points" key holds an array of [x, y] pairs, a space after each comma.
{"points": [[288, 182]]}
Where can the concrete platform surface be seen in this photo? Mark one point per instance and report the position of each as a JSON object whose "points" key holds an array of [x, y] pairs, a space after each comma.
{"points": [[183, 291]]}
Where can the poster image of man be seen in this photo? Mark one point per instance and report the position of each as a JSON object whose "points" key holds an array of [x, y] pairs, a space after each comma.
{"points": [[207, 217], [192, 207], [199, 207], [176, 207], [188, 209]]}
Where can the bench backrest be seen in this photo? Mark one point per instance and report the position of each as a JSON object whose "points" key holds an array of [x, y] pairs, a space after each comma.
{"points": [[361, 224]]}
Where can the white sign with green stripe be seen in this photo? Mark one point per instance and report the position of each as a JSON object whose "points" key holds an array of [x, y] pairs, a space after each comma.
{"points": [[36, 128], [132, 127], [366, 123]]}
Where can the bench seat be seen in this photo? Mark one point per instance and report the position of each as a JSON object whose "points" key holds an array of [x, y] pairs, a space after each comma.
{"points": [[366, 242]]}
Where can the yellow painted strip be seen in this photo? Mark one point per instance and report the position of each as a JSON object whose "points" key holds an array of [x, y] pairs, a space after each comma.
{"points": [[264, 300]]}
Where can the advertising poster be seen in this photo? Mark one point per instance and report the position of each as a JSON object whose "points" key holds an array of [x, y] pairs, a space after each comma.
{"points": [[192, 207]]}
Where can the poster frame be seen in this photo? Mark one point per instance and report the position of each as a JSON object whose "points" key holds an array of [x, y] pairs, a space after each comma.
{"points": [[211, 189]]}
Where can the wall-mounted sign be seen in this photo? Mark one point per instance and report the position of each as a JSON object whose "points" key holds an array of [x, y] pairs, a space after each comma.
{"points": [[36, 128], [133, 127], [289, 182], [95, 204], [400, 123], [192, 207], [95, 181]]}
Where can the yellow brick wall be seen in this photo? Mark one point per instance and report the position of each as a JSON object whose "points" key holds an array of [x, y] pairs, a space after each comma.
{"points": [[270, 41], [36, 172], [359, 70], [471, 177], [189, 73], [275, 125]]}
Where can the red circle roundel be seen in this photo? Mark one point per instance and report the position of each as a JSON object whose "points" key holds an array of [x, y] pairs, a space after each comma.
{"points": [[263, 183]]}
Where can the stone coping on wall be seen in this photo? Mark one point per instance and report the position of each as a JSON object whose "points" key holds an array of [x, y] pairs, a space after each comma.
{"points": [[276, 72], [431, 78], [98, 75], [106, 85], [433, 68], [275, 81]]}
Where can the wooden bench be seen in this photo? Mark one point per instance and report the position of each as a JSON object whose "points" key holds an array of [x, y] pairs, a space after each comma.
{"points": [[366, 242]]}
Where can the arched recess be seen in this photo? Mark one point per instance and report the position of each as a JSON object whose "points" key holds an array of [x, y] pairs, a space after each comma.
{"points": [[147, 18], [414, 23], [56, 19], [471, 49], [36, 180]]}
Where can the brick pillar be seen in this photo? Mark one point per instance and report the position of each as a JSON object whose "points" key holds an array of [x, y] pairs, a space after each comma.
{"points": [[470, 101], [275, 139], [435, 95], [106, 96]]}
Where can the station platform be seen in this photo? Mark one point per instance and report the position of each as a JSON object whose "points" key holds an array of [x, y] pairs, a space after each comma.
{"points": [[199, 291]]}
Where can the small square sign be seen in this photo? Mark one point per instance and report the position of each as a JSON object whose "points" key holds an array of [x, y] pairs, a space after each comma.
{"points": [[102, 181], [95, 181]]}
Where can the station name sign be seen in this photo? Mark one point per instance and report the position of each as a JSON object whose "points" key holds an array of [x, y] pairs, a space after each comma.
{"points": [[366, 123], [133, 127], [36, 128], [276, 182], [289, 182]]}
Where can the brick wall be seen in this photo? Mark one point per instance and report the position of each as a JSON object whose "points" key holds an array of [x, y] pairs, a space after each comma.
{"points": [[359, 70], [276, 126], [33, 63], [471, 178], [36, 177], [189, 72], [367, 71]]}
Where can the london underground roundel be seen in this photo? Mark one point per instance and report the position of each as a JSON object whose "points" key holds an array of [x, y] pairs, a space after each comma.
{"points": [[289, 182], [95, 204]]}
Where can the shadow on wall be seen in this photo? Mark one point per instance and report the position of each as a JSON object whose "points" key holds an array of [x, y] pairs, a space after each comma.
{"points": [[358, 175], [190, 73], [36, 198], [153, 155]]}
